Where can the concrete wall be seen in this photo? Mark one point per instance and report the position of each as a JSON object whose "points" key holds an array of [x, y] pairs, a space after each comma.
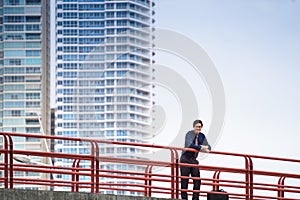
{"points": [[13, 194]]}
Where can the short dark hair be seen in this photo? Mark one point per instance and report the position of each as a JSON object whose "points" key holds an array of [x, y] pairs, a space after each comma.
{"points": [[196, 122]]}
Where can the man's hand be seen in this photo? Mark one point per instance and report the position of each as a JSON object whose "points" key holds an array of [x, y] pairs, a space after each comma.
{"points": [[204, 148]]}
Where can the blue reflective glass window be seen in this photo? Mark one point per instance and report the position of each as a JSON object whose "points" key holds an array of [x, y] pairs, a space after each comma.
{"points": [[14, 10], [14, 19], [14, 53], [33, 61], [8, 45], [33, 53], [69, 6], [32, 27], [14, 27], [33, 18], [91, 6]]}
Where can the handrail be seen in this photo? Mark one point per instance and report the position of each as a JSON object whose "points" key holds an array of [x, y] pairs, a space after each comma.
{"points": [[147, 182]]}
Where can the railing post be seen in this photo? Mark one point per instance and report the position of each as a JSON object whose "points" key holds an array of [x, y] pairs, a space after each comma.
{"points": [[11, 162], [5, 161], [150, 181], [249, 177], [216, 181], [172, 174], [280, 192], [146, 181], [97, 166], [93, 160], [176, 174], [77, 175], [73, 175]]}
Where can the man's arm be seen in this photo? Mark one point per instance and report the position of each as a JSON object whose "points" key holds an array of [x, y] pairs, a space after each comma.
{"points": [[205, 142], [205, 146], [189, 141]]}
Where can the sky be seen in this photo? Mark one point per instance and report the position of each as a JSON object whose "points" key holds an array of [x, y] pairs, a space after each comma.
{"points": [[255, 46]]}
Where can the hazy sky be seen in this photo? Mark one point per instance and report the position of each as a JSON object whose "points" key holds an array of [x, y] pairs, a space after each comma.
{"points": [[255, 46]]}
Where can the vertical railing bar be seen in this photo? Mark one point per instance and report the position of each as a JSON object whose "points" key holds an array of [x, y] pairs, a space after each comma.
{"points": [[93, 160], [146, 181], [73, 176], [97, 166], [172, 174], [11, 162]]}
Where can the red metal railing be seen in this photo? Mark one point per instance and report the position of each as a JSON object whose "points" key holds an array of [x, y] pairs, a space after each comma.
{"points": [[160, 178]]}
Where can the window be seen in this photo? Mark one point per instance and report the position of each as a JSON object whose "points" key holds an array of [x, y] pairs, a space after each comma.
{"points": [[70, 15], [14, 10], [109, 82], [14, 27], [14, 61], [69, 7], [13, 2], [33, 2], [110, 74], [70, 24], [70, 49], [32, 96], [33, 53], [109, 6], [14, 105], [110, 23], [121, 73], [91, 7], [16, 113], [14, 37], [33, 36], [32, 27], [33, 18], [121, 133], [110, 31], [91, 15], [110, 133], [70, 40], [71, 32], [91, 24], [13, 19], [121, 5], [33, 104], [14, 79], [33, 70]]}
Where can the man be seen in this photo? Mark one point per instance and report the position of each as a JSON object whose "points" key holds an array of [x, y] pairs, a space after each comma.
{"points": [[196, 140]]}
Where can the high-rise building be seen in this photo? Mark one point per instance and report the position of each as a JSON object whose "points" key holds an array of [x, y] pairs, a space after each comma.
{"points": [[25, 70], [103, 75]]}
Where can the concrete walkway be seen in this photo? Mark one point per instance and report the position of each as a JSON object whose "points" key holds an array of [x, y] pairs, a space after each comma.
{"points": [[13, 194]]}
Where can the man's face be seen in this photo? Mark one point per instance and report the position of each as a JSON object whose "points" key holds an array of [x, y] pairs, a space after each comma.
{"points": [[197, 128]]}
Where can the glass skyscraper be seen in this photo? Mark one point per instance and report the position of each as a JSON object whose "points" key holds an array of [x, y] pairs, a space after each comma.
{"points": [[25, 70], [103, 76]]}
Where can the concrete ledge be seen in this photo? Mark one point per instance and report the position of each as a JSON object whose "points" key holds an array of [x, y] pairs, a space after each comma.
{"points": [[16, 194]]}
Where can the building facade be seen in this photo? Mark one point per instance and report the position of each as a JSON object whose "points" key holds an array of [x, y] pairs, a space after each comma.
{"points": [[25, 70], [103, 76]]}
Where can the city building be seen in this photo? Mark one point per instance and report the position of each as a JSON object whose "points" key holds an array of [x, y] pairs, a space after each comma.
{"points": [[104, 74], [25, 71]]}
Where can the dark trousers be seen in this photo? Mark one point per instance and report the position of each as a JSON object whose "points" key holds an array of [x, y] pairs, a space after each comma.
{"points": [[187, 171]]}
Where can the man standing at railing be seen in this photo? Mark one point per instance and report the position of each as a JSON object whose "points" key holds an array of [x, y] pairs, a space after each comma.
{"points": [[196, 140]]}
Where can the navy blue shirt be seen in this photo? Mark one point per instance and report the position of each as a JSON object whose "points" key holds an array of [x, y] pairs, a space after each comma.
{"points": [[190, 142]]}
